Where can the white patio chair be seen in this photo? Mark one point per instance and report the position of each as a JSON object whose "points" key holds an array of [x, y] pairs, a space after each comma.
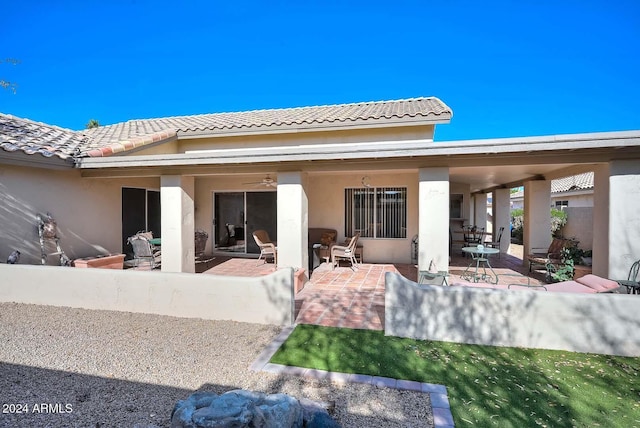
{"points": [[345, 252], [267, 247]]}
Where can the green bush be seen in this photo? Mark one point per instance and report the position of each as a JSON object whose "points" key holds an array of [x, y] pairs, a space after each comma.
{"points": [[517, 220], [558, 221]]}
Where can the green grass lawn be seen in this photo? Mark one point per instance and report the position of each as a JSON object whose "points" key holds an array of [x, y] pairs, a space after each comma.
{"points": [[487, 386]]}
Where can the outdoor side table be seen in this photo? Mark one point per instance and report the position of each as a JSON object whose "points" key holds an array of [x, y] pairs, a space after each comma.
{"points": [[477, 269]]}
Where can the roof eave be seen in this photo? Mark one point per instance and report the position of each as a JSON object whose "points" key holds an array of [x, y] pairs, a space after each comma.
{"points": [[37, 160], [387, 149]]}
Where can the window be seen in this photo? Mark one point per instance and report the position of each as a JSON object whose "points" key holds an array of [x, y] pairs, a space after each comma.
{"points": [[455, 205], [376, 212], [560, 205]]}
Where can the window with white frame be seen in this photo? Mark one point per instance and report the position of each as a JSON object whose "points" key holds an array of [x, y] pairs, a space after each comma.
{"points": [[376, 212], [561, 204]]}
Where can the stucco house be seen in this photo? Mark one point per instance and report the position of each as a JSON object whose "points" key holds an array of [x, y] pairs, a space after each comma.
{"points": [[370, 167], [575, 191]]}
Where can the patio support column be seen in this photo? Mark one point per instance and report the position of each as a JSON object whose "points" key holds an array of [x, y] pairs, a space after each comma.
{"points": [[501, 213], [433, 218], [176, 201], [624, 220], [537, 216], [600, 260], [293, 221], [480, 207]]}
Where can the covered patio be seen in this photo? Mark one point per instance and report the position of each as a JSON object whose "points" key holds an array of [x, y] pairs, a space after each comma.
{"points": [[354, 298]]}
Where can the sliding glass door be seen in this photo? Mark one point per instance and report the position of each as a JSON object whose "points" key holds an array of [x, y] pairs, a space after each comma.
{"points": [[237, 215], [140, 212]]}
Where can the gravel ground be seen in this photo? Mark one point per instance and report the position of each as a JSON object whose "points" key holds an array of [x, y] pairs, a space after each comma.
{"points": [[79, 368]]}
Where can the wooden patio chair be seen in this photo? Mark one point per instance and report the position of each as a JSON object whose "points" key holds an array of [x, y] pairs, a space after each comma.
{"points": [[553, 255], [345, 252], [267, 247]]}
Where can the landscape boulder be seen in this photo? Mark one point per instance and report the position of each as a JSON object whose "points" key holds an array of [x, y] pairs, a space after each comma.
{"points": [[240, 408]]}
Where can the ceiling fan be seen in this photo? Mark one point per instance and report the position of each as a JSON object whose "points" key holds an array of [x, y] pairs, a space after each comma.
{"points": [[267, 181]]}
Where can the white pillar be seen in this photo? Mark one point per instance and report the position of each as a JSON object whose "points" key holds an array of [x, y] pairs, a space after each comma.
{"points": [[433, 218], [600, 226], [624, 216], [480, 207], [501, 213], [537, 216], [293, 221], [176, 202]]}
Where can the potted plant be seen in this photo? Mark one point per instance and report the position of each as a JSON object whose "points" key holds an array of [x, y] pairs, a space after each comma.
{"points": [[570, 257]]}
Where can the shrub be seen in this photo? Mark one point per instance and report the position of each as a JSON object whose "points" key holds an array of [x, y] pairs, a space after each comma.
{"points": [[517, 220], [558, 221]]}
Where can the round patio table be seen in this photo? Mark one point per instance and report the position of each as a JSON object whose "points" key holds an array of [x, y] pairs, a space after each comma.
{"points": [[477, 269]]}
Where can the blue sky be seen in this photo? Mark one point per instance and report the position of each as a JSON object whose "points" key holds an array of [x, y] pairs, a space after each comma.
{"points": [[512, 68]]}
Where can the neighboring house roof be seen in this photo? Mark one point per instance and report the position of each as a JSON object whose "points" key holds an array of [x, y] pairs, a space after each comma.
{"points": [[34, 137], [575, 182]]}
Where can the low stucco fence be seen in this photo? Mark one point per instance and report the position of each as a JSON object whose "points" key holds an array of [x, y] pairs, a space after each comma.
{"points": [[265, 300], [598, 323]]}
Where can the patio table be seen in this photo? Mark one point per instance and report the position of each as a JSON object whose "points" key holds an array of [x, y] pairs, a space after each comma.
{"points": [[480, 259]]}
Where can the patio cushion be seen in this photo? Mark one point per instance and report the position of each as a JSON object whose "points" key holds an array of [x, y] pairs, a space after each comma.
{"points": [[315, 234], [328, 238], [601, 285], [569, 287]]}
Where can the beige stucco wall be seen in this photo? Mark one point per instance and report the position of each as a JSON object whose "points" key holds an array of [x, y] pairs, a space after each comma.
{"points": [[577, 201], [326, 209], [159, 149], [580, 226], [522, 318], [304, 138], [88, 211], [204, 189], [265, 300]]}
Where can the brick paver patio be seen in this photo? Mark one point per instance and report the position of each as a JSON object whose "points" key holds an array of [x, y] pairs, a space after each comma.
{"points": [[354, 298]]}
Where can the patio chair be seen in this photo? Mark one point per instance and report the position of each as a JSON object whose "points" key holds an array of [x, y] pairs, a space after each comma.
{"points": [[631, 283], [345, 252], [472, 236], [144, 251], [553, 255], [496, 243], [267, 247]]}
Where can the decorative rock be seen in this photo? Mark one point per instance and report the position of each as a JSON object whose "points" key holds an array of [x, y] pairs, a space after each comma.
{"points": [[240, 408]]}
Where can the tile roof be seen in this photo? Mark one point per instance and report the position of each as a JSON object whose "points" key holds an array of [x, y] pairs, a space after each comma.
{"points": [[276, 119], [575, 182], [31, 137]]}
